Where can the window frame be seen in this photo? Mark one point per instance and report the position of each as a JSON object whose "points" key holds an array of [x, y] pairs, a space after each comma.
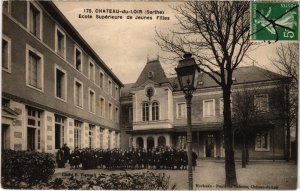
{"points": [[102, 112], [79, 133], [101, 85], [110, 85], [147, 117], [8, 40], [76, 80], [93, 111], [117, 114], [268, 142], [110, 110], [58, 29], [177, 110], [91, 62], [81, 57], [40, 36], [34, 51], [156, 111], [214, 108], [56, 67], [255, 102]]}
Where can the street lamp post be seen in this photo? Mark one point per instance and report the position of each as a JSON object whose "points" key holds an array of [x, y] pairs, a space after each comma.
{"points": [[187, 74]]}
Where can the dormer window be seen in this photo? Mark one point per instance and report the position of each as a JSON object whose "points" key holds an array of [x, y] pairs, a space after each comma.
{"points": [[150, 74]]}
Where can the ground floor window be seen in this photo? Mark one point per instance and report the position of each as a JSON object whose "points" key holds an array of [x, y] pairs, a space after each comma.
{"points": [[91, 128], [181, 142], [77, 133], [262, 141], [59, 131], [109, 139], [33, 128], [101, 137]]}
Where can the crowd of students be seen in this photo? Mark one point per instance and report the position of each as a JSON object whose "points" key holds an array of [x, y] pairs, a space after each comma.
{"points": [[132, 158]]}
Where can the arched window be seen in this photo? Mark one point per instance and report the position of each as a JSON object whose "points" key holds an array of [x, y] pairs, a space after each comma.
{"points": [[155, 111], [145, 112]]}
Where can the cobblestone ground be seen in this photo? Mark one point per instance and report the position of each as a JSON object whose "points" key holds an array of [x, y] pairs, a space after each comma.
{"points": [[211, 175]]}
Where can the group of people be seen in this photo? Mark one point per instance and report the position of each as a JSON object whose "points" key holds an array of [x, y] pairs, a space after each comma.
{"points": [[132, 158]]}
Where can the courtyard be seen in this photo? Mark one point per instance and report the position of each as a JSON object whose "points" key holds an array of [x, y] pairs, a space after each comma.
{"points": [[209, 174]]}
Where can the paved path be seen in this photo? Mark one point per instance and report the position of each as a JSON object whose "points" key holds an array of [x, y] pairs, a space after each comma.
{"points": [[211, 175]]}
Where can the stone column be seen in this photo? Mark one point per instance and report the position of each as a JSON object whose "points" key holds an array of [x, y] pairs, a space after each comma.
{"points": [[155, 141], [69, 133], [18, 130], [49, 132], [145, 142]]}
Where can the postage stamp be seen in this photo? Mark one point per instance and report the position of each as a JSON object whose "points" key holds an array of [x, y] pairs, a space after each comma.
{"points": [[274, 21]]}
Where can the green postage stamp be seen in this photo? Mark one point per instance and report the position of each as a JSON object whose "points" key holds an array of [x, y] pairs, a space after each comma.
{"points": [[274, 21]]}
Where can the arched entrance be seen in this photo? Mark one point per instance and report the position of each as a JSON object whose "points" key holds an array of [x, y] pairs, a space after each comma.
{"points": [[139, 142], [150, 143], [161, 141]]}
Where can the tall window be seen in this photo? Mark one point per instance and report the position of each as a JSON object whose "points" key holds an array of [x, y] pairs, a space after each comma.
{"points": [[109, 139], [78, 93], [60, 83], [130, 114], [145, 108], [6, 54], [116, 92], [91, 101], [91, 128], [101, 79], [78, 59], [181, 110], [262, 141], [155, 111], [35, 20], [209, 108], [77, 133], [102, 106], [261, 102], [33, 128], [60, 42], [59, 131], [117, 115], [101, 137], [34, 70], [110, 111], [109, 87], [92, 71]]}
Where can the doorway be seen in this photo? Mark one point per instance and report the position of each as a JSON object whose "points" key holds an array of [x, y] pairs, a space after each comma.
{"points": [[150, 143], [5, 136], [210, 145], [30, 139]]}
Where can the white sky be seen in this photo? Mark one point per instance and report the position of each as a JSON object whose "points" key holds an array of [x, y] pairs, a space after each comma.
{"points": [[125, 44]]}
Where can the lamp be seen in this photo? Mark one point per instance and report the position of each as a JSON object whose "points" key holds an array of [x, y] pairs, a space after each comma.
{"points": [[187, 74]]}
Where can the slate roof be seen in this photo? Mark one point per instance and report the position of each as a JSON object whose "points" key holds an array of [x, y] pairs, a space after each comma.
{"points": [[159, 75], [241, 75]]}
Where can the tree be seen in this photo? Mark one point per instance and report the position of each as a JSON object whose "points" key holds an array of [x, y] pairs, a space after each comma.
{"points": [[287, 63], [218, 35], [244, 113]]}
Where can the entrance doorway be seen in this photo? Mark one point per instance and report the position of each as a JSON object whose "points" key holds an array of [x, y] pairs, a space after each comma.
{"points": [[161, 141], [210, 145], [5, 136], [140, 142], [30, 139], [150, 143]]}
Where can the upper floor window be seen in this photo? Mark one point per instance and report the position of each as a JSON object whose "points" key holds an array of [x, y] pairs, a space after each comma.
{"points": [[102, 107], [78, 93], [262, 141], [110, 111], [78, 59], [34, 20], [6, 54], [181, 110], [101, 79], [6, 6], [60, 83], [110, 87], [130, 114], [92, 101], [117, 115], [261, 102], [92, 71], [145, 108], [117, 92], [34, 69], [60, 42], [209, 108], [155, 111]]}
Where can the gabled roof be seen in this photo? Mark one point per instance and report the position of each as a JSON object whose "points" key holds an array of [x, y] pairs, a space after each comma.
{"points": [[158, 77]]}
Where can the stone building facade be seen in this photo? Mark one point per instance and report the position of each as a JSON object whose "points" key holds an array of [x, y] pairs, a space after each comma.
{"points": [[55, 88], [153, 113]]}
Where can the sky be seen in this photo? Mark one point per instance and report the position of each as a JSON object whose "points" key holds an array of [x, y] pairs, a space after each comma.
{"points": [[124, 44]]}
